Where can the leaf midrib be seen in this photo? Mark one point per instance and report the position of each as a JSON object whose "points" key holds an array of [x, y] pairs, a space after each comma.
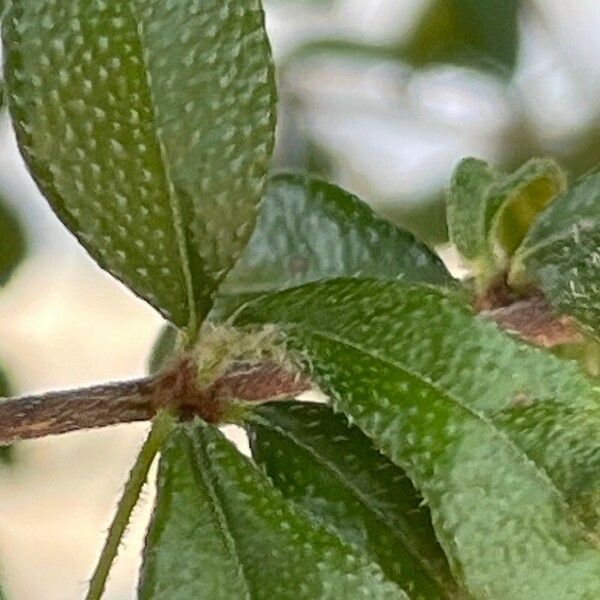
{"points": [[359, 495], [521, 456], [205, 477], [174, 203]]}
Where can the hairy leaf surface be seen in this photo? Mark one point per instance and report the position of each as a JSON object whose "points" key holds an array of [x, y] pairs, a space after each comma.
{"points": [[431, 384], [561, 253], [333, 470], [220, 530], [149, 126]]}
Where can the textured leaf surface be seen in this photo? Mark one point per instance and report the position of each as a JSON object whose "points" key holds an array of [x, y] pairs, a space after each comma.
{"points": [[562, 254], [310, 230], [489, 213], [432, 385], [467, 208], [220, 530], [467, 31], [516, 201], [333, 470], [12, 243], [148, 125]]}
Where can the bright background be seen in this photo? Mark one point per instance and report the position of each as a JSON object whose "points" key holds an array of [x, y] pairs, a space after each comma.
{"points": [[386, 131]]}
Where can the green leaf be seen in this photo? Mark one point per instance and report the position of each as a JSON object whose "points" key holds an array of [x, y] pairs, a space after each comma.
{"points": [[333, 470], [489, 213], [431, 384], [561, 254], [166, 346], [516, 201], [310, 230], [12, 243], [6, 452], [467, 211], [149, 126], [221, 530], [484, 32]]}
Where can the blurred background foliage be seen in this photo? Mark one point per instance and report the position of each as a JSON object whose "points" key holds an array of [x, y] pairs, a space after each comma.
{"points": [[385, 97]]}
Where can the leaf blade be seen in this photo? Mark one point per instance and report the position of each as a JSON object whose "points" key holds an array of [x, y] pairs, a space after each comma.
{"points": [[132, 148], [501, 512], [560, 254], [282, 554], [310, 230], [332, 470]]}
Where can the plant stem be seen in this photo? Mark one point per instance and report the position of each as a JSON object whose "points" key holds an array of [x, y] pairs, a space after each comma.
{"points": [[140, 400], [161, 428]]}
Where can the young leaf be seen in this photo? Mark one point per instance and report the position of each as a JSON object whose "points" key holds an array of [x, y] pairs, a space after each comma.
{"points": [[333, 470], [561, 254], [468, 196], [148, 125], [428, 382], [489, 213], [12, 243], [467, 31], [221, 530], [310, 230], [516, 201]]}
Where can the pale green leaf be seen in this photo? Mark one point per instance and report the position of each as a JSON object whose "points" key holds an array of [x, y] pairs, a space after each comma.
{"points": [[516, 201], [310, 230], [333, 470], [220, 530], [561, 254], [432, 384], [149, 126]]}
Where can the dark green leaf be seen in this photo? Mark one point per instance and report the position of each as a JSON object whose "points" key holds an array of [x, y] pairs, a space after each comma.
{"points": [[431, 384], [484, 32], [561, 254], [220, 530], [332, 470], [12, 243], [310, 230], [149, 126]]}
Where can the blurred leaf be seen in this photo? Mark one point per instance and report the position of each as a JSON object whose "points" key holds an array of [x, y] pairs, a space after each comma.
{"points": [[484, 32], [220, 530], [332, 470], [517, 200], [429, 382], [6, 452], [167, 344], [310, 230], [561, 254], [12, 243], [153, 138]]}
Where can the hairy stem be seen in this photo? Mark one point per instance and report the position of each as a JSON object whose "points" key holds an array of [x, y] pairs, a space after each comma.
{"points": [[161, 427], [141, 399]]}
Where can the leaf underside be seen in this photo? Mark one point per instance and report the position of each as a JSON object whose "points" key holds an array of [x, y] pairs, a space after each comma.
{"points": [[149, 127], [428, 382], [220, 530]]}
